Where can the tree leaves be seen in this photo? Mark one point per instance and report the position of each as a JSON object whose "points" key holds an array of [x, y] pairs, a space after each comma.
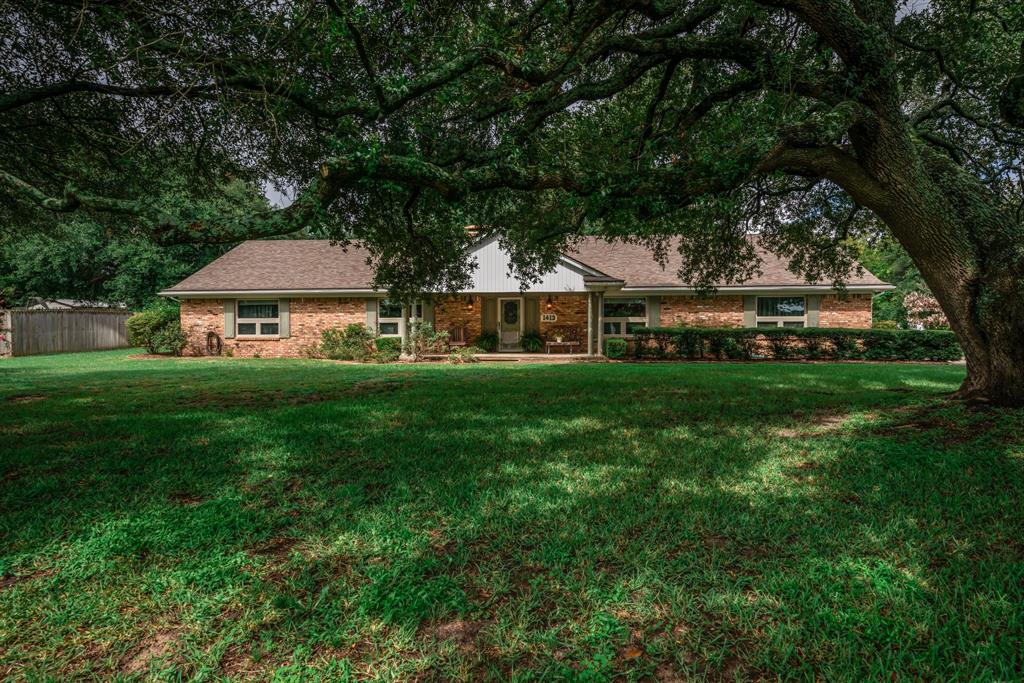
{"points": [[540, 120]]}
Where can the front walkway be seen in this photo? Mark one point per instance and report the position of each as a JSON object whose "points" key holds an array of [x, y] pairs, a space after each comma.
{"points": [[541, 357], [512, 357]]}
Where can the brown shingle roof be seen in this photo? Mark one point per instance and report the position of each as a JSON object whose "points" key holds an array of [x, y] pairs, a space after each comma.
{"points": [[635, 264], [296, 265], [285, 265]]}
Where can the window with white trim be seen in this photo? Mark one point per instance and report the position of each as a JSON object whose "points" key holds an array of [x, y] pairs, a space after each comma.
{"points": [[389, 317], [257, 319], [624, 316], [781, 311]]}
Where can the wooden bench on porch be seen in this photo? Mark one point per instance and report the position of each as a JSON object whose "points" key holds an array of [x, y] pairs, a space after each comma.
{"points": [[457, 336], [563, 337]]}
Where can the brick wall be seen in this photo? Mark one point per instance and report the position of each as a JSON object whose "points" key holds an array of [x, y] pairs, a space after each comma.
{"points": [[453, 312], [693, 311], [854, 310], [308, 319], [199, 317], [570, 311]]}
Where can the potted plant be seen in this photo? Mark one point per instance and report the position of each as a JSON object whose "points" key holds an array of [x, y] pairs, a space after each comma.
{"points": [[532, 342]]}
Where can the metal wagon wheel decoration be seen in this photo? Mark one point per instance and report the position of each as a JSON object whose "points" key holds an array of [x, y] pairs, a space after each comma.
{"points": [[213, 344]]}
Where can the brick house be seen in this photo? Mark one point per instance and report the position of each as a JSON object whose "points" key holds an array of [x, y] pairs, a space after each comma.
{"points": [[274, 298]]}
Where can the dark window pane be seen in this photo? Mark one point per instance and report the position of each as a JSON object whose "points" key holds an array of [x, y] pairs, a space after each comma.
{"points": [[763, 323], [246, 328], [510, 312], [268, 328], [625, 308], [257, 309], [389, 309], [417, 311], [613, 328], [388, 328], [780, 306], [794, 323]]}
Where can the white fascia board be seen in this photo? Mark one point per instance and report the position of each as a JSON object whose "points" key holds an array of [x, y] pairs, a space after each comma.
{"points": [[800, 289], [581, 267], [229, 293]]}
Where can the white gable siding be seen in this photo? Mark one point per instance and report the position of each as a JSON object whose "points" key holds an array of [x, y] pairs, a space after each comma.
{"points": [[492, 274]]}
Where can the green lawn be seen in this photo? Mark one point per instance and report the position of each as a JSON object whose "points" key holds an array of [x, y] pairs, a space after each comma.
{"points": [[305, 519]]}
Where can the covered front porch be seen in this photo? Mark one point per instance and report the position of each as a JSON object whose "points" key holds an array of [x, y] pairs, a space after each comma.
{"points": [[517, 323], [564, 312], [561, 323]]}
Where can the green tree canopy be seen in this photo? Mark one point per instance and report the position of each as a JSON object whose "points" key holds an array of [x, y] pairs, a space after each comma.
{"points": [[400, 122], [93, 258]]}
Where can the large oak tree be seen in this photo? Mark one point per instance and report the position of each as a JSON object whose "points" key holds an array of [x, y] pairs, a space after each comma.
{"points": [[400, 122]]}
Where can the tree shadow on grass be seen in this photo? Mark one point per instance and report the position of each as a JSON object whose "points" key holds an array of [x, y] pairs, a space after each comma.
{"points": [[568, 517]]}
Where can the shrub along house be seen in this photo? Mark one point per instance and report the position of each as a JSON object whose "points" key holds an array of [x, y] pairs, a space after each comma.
{"points": [[276, 297]]}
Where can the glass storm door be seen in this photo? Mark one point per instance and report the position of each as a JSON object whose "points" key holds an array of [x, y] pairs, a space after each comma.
{"points": [[510, 322]]}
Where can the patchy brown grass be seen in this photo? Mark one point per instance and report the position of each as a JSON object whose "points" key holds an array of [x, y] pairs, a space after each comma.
{"points": [[14, 579], [279, 547], [152, 649], [821, 423], [911, 422], [236, 662], [260, 399], [463, 632], [26, 398], [186, 499], [279, 398]]}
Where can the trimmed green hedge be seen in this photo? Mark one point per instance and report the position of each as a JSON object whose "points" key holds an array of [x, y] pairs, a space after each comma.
{"points": [[789, 343], [353, 342], [389, 344], [615, 348]]}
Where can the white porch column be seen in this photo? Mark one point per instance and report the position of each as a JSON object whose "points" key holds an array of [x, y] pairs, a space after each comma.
{"points": [[403, 326], [590, 323]]}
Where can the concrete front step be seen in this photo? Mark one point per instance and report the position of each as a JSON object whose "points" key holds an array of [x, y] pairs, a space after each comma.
{"points": [[539, 357], [509, 357]]}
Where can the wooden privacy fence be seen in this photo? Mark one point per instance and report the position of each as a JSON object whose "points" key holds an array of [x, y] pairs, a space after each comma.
{"points": [[29, 332]]}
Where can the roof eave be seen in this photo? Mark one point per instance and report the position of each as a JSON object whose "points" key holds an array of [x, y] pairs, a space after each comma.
{"points": [[212, 293], [810, 289]]}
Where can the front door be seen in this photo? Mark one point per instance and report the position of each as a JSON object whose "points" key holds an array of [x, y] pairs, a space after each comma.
{"points": [[510, 323]]}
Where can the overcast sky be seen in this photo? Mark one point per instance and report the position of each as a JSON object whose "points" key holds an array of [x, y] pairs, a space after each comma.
{"points": [[275, 196], [911, 6]]}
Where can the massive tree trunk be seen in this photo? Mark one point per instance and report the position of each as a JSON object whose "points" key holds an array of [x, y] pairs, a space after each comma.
{"points": [[987, 315], [970, 251], [967, 244], [995, 359]]}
